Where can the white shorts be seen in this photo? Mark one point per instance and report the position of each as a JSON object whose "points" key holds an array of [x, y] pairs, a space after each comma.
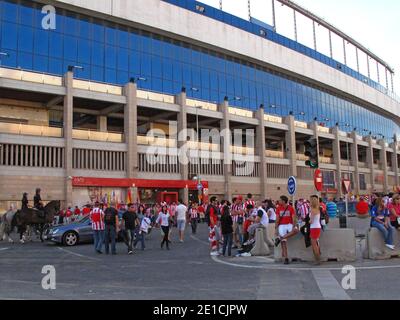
{"points": [[284, 229]]}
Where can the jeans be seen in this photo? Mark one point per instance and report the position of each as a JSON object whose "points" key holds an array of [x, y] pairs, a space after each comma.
{"points": [[227, 242], [139, 237], [165, 239], [193, 223], [98, 236], [387, 233], [129, 237], [110, 232]]}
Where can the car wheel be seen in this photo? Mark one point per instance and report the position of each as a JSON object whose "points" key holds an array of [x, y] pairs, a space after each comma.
{"points": [[70, 239]]}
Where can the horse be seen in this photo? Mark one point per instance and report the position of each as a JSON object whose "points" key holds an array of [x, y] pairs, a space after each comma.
{"points": [[33, 218], [6, 226]]}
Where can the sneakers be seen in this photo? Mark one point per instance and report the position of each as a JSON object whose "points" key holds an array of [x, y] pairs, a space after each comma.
{"points": [[214, 253], [277, 242], [390, 246], [246, 254], [130, 252]]}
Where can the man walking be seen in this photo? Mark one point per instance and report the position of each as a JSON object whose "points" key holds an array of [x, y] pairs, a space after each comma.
{"points": [[111, 228], [130, 220], [97, 219], [181, 211]]}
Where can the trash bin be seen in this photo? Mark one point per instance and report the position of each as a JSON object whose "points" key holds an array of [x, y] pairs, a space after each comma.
{"points": [[343, 222]]}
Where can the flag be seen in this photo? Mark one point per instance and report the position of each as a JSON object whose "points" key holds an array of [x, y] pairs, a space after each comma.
{"points": [[129, 196]]}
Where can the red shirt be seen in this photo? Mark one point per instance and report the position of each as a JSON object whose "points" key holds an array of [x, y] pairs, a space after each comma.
{"points": [[85, 211], [285, 214], [77, 211], [69, 213], [213, 217], [246, 225], [97, 218], [396, 209], [362, 207]]}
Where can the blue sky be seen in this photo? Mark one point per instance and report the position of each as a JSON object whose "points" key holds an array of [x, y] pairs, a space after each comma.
{"points": [[375, 24]]}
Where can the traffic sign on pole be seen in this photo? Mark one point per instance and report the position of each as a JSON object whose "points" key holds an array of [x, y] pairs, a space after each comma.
{"points": [[318, 180], [292, 186], [346, 185]]}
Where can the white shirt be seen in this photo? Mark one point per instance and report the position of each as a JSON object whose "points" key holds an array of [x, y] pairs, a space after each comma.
{"points": [[164, 218], [272, 213], [181, 212], [315, 224], [145, 225], [264, 219]]}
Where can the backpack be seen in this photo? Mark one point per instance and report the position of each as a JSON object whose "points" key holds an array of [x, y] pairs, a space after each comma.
{"points": [[109, 216]]}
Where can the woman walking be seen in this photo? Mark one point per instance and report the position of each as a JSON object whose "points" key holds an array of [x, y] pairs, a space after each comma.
{"points": [[194, 217], [315, 228], [227, 230], [164, 220]]}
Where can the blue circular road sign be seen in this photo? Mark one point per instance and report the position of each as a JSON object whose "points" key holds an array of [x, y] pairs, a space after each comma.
{"points": [[292, 186], [199, 187]]}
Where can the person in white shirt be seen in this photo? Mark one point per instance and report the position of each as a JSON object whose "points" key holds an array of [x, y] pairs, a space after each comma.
{"points": [[261, 221], [164, 220], [315, 228], [181, 211]]}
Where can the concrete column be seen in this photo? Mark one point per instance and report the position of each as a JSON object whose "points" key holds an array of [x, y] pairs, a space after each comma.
{"points": [[383, 160], [261, 151], [67, 129], [395, 165], [225, 149], [337, 159], [182, 131], [290, 138], [102, 123], [370, 161], [130, 130], [354, 156]]}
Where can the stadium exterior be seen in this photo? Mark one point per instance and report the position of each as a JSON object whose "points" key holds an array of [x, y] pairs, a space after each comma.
{"points": [[79, 97]]}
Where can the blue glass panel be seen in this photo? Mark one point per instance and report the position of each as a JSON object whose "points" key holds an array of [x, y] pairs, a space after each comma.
{"points": [[98, 53], [55, 66], [26, 15], [84, 51], [25, 60], [55, 45], [110, 57], [71, 26], [9, 11], [25, 39], [98, 32], [111, 75], [168, 73], [41, 63], [97, 74], [110, 35], [123, 59], [9, 36], [156, 68], [41, 42], [85, 29], [123, 38], [70, 48]]}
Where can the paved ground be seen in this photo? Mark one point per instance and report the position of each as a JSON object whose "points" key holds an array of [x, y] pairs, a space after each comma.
{"points": [[185, 272]]}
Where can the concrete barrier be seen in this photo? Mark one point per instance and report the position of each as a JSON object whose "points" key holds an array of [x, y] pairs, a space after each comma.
{"points": [[375, 248], [359, 225], [261, 246], [336, 244], [271, 234]]}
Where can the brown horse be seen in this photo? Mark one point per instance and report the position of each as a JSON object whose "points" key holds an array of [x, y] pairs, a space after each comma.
{"points": [[35, 218]]}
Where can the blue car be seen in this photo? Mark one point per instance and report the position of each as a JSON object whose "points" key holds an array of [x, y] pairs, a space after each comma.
{"points": [[71, 234]]}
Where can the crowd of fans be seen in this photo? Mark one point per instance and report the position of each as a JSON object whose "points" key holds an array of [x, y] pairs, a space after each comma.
{"points": [[233, 225]]}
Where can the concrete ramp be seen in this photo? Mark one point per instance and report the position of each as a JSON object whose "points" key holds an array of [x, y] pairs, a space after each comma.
{"points": [[336, 245]]}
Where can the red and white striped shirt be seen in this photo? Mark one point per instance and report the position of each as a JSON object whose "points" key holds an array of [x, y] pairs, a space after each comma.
{"points": [[237, 207], [194, 213], [249, 202], [303, 209], [97, 218]]}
